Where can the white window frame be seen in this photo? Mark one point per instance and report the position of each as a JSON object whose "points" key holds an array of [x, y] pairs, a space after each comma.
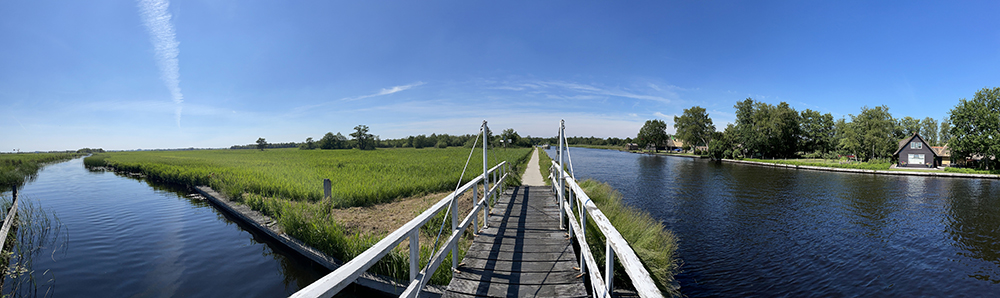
{"points": [[913, 157], [916, 145]]}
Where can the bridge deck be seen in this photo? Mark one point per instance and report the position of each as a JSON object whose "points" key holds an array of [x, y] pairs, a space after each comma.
{"points": [[522, 254]]}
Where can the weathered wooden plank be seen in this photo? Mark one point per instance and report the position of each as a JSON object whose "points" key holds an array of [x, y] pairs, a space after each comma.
{"points": [[469, 287], [522, 278], [500, 265], [568, 256], [556, 247], [523, 253]]}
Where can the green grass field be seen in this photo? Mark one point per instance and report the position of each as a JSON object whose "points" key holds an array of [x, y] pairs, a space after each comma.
{"points": [[16, 169], [287, 184], [359, 178]]}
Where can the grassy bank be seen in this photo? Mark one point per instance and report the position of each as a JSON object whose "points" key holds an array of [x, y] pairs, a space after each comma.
{"points": [[286, 184], [544, 163], [359, 178], [16, 169], [830, 163], [971, 171], [652, 242]]}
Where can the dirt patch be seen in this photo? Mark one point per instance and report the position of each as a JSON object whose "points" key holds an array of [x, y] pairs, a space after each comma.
{"points": [[385, 218]]}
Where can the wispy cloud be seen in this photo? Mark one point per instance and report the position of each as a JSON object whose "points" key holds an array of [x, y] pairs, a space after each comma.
{"points": [[664, 116], [157, 20], [385, 91]]}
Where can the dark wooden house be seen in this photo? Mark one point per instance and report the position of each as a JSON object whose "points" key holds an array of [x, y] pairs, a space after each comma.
{"points": [[914, 152]]}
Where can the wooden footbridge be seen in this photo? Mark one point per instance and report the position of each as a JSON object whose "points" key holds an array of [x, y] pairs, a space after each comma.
{"points": [[530, 243]]}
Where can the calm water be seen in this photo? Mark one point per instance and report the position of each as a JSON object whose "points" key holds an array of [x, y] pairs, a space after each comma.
{"points": [[127, 238], [759, 231]]}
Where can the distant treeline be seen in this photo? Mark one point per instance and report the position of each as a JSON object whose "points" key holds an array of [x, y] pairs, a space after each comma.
{"points": [[508, 138]]}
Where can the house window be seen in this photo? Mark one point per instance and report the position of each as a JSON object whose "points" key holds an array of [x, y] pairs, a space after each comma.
{"points": [[916, 145], [916, 159]]}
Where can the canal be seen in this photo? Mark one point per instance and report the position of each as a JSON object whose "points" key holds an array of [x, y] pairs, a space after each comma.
{"points": [[124, 237], [759, 231]]}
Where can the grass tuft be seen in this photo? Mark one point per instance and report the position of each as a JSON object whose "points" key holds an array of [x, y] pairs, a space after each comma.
{"points": [[654, 245]]}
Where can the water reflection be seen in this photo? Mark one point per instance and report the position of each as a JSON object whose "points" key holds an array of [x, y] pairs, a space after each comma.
{"points": [[975, 225], [761, 231]]}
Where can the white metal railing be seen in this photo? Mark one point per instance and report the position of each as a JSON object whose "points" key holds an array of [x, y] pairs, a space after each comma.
{"points": [[615, 244], [492, 181], [9, 219]]}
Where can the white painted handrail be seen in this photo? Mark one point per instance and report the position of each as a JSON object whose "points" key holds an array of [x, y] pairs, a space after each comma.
{"points": [[337, 280], [565, 185], [640, 277]]}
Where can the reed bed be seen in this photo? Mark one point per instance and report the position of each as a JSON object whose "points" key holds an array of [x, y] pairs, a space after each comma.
{"points": [[655, 246], [286, 184], [359, 178]]}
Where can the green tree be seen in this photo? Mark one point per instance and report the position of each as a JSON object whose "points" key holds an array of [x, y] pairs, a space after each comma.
{"points": [[910, 126], [872, 134], [511, 136], [694, 126], [944, 135], [308, 145], [362, 139], [817, 132], [929, 131], [653, 132], [261, 144], [975, 127], [765, 130]]}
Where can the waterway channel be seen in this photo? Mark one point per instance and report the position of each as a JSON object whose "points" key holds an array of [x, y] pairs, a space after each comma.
{"points": [[760, 231], [125, 237]]}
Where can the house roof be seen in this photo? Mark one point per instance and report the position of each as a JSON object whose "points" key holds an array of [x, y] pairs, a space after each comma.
{"points": [[942, 151], [904, 142]]}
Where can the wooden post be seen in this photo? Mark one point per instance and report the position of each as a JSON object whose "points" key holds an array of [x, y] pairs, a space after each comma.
{"points": [[327, 189], [486, 176]]}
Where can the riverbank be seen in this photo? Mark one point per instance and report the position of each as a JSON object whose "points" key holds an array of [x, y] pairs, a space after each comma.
{"points": [[864, 171], [268, 226], [280, 185]]}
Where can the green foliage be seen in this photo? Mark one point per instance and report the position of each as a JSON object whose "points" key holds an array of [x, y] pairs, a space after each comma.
{"points": [[944, 135], [766, 130], [261, 144], [909, 126], [442, 144], [18, 169], [359, 178], [331, 141], [975, 128], [653, 132], [654, 245], [694, 126], [362, 139], [871, 134], [971, 171], [929, 131], [817, 132], [544, 164], [875, 164]]}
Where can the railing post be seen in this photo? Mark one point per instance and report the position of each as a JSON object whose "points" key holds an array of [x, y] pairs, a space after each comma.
{"points": [[454, 229], [475, 200], [583, 227], [609, 266], [414, 254], [562, 177], [486, 176]]}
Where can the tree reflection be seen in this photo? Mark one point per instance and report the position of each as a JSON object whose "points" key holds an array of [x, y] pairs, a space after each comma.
{"points": [[974, 224]]}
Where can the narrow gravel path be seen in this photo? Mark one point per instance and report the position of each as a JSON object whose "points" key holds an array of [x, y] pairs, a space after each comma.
{"points": [[533, 175]]}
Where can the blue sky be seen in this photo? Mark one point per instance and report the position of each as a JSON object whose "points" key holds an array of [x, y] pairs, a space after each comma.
{"points": [[128, 75]]}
